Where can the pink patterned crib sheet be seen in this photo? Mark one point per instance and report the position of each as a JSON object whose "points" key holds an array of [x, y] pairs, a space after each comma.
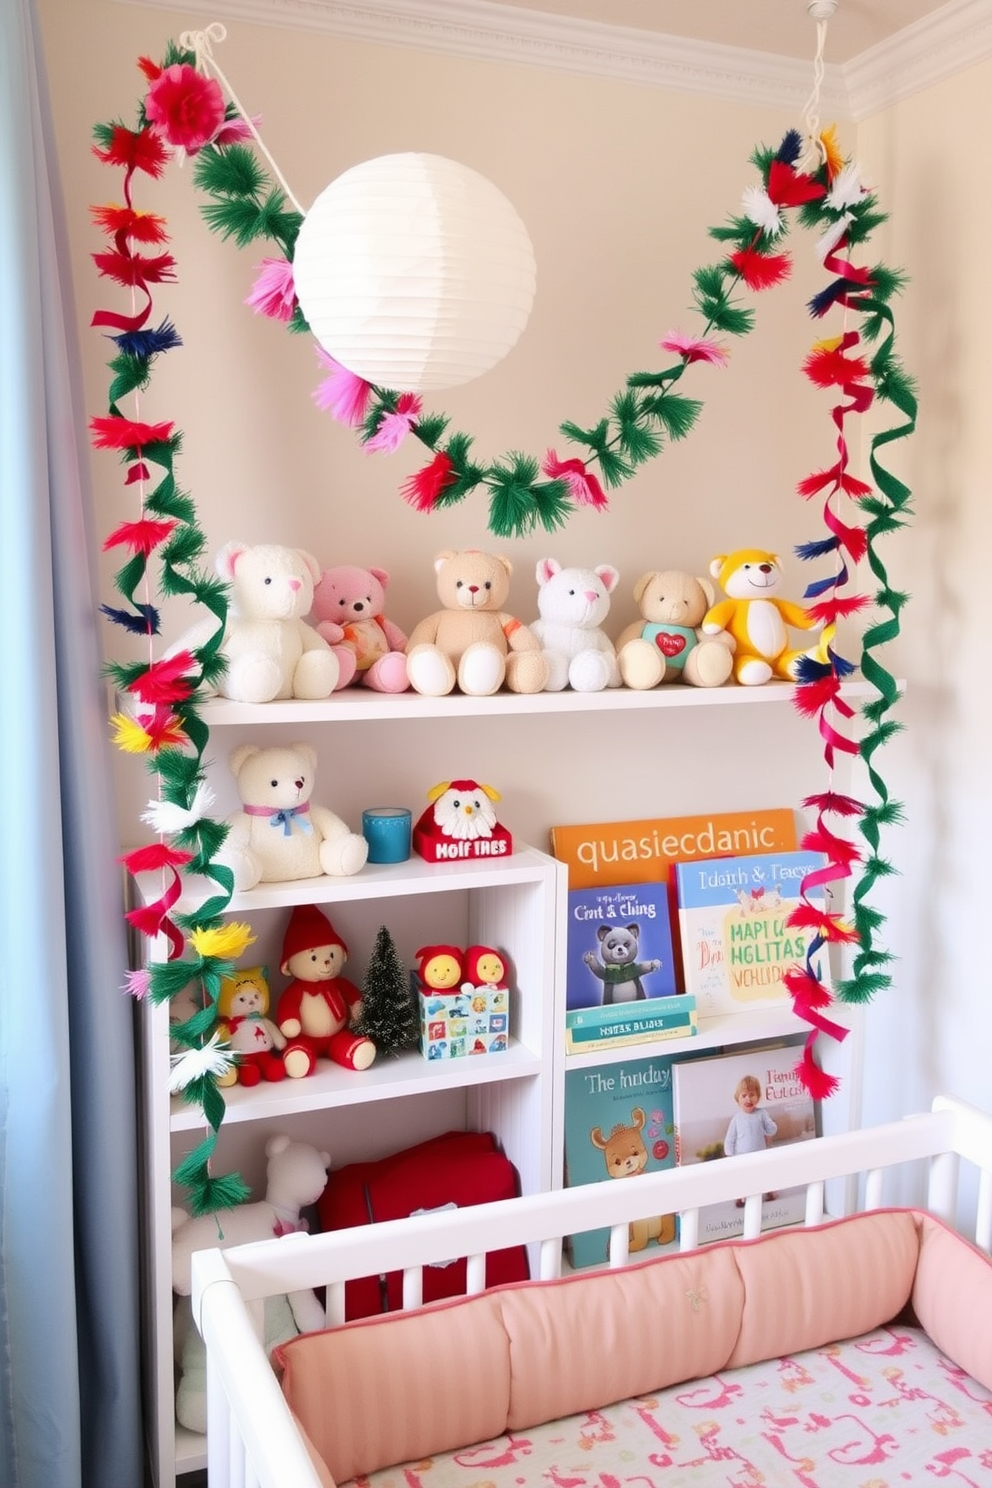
{"points": [[886, 1410]]}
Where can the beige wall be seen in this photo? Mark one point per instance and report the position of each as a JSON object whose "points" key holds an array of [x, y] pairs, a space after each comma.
{"points": [[617, 185], [936, 1032]]}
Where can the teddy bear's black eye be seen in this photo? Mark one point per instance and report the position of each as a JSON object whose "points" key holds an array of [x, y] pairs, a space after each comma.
{"points": [[342, 601], [488, 584], [267, 581], [458, 583], [273, 783]]}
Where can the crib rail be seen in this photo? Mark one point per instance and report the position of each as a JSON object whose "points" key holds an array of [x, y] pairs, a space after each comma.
{"points": [[252, 1440]]}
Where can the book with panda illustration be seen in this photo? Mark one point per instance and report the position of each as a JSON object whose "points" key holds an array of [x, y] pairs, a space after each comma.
{"points": [[619, 947]]}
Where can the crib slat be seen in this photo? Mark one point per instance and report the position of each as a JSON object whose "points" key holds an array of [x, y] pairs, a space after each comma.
{"points": [[413, 1288], [873, 1188], [943, 1185], [549, 1265], [219, 1432], [334, 1307], [619, 1245], [814, 1204], [475, 1274], [983, 1216], [752, 1216]]}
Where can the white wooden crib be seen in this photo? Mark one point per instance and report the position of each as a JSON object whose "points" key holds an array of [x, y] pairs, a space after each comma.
{"points": [[253, 1437]]}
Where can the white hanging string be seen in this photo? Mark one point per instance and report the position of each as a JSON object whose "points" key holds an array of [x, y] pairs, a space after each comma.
{"points": [[201, 44], [815, 153]]}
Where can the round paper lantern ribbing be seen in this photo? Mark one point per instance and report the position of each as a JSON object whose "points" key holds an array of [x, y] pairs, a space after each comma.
{"points": [[414, 272]]}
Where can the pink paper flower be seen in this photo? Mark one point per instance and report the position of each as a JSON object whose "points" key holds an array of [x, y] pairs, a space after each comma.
{"points": [[233, 131], [343, 394], [394, 427], [137, 983], [273, 292], [695, 350], [186, 107], [583, 487]]}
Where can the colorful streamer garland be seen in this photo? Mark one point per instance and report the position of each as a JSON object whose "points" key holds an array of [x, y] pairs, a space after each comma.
{"points": [[184, 111]]}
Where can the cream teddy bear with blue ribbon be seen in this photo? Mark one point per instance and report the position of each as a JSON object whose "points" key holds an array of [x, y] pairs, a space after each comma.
{"points": [[279, 833]]}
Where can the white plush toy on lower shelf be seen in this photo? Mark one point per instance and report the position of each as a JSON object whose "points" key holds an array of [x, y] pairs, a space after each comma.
{"points": [[296, 1177]]}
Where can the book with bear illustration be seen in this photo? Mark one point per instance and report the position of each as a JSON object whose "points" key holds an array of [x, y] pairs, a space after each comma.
{"points": [[734, 928], [620, 982], [618, 1124]]}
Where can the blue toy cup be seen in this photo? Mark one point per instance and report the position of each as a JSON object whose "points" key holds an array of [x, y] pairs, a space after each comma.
{"points": [[386, 829]]}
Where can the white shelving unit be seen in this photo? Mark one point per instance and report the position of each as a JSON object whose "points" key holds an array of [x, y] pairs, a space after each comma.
{"points": [[518, 904]]}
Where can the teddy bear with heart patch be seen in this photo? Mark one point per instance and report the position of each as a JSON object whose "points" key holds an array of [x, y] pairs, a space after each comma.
{"points": [[668, 644]]}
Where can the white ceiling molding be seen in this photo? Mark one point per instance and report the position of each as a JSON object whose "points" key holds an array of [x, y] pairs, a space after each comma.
{"points": [[953, 37], [932, 49]]}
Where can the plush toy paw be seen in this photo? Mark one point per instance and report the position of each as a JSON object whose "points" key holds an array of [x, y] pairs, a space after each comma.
{"points": [[252, 679], [430, 672], [590, 671], [642, 665], [526, 671], [316, 674], [299, 1062], [481, 670], [710, 664], [342, 856], [388, 674]]}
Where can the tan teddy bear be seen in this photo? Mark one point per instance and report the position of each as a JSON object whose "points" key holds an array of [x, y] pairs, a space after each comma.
{"points": [[667, 644], [472, 642]]}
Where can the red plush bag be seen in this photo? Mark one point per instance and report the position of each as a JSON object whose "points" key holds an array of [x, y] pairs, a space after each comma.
{"points": [[456, 1169]]}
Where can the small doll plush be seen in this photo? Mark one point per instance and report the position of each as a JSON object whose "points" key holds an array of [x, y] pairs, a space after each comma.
{"points": [[440, 967], [242, 1010], [319, 1009], [484, 967]]}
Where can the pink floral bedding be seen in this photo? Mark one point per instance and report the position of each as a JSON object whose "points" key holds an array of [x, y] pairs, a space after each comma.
{"points": [[886, 1410]]}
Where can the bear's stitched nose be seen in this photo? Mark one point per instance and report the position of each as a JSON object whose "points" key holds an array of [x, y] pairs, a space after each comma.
{"points": [[358, 606], [294, 584]]}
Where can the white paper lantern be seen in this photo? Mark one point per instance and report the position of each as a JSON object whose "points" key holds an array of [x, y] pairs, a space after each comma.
{"points": [[414, 272]]}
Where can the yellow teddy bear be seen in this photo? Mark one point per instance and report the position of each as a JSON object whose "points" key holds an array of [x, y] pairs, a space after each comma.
{"points": [[754, 616]]}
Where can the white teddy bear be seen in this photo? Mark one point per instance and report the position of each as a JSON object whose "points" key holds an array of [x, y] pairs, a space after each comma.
{"points": [[271, 651], [296, 1176], [279, 834], [573, 603]]}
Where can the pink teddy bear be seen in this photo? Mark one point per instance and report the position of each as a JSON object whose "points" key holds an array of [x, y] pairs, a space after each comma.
{"points": [[348, 604]]}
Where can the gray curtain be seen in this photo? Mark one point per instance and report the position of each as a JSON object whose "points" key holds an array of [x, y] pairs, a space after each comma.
{"points": [[69, 1335]]}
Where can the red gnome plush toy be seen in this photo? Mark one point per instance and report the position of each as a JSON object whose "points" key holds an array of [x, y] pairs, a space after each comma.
{"points": [[319, 1008]]}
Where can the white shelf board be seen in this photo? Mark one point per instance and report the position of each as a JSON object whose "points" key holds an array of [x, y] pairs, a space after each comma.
{"points": [[191, 1450], [356, 705], [387, 1079], [374, 881]]}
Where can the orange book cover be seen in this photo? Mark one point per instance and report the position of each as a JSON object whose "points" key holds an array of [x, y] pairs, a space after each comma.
{"points": [[643, 851]]}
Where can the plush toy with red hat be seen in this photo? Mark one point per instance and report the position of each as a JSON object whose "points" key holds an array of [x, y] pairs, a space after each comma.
{"points": [[319, 1009]]}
